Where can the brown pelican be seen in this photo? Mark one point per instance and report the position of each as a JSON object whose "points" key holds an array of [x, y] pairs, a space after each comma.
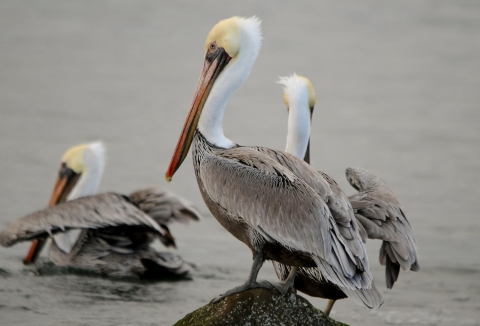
{"points": [[106, 233], [275, 203], [375, 205]]}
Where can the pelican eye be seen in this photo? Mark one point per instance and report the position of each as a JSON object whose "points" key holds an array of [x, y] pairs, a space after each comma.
{"points": [[64, 171], [212, 46]]}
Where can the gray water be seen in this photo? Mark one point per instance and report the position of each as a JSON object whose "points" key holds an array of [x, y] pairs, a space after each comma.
{"points": [[398, 88]]}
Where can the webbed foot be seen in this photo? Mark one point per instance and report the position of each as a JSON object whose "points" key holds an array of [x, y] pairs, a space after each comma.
{"points": [[244, 287]]}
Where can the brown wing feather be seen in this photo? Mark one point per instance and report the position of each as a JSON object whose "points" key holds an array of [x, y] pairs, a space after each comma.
{"points": [[276, 202], [379, 211], [330, 192], [164, 206], [98, 211]]}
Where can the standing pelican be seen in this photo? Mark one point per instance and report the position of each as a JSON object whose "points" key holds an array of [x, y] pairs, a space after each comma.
{"points": [[107, 233], [375, 205], [275, 203]]}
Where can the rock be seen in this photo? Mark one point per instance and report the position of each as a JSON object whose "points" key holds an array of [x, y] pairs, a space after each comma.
{"points": [[258, 307]]}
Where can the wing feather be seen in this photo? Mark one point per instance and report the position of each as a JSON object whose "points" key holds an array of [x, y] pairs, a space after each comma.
{"points": [[275, 201], [98, 211], [379, 211], [335, 199], [165, 206]]}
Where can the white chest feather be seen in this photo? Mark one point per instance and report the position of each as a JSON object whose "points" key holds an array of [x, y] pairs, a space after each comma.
{"points": [[66, 240]]}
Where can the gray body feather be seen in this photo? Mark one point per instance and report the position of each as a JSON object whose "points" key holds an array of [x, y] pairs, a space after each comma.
{"points": [[276, 203], [116, 232], [382, 217]]}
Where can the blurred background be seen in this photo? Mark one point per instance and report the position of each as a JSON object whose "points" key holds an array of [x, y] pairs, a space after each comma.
{"points": [[398, 93]]}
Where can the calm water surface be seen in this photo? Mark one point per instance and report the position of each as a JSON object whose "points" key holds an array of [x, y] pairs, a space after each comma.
{"points": [[398, 93]]}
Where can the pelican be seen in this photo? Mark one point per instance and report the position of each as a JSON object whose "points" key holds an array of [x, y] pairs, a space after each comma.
{"points": [[375, 205], [106, 233], [275, 203]]}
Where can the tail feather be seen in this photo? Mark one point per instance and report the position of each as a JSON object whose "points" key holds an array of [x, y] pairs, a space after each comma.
{"points": [[391, 273], [368, 298], [360, 288]]}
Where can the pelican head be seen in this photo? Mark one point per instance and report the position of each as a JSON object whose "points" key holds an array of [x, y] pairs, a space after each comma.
{"points": [[80, 172], [299, 97], [230, 51]]}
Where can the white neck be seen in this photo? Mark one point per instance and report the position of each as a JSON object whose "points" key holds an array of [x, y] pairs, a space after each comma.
{"points": [[298, 132], [89, 181], [66, 240], [94, 161], [228, 81]]}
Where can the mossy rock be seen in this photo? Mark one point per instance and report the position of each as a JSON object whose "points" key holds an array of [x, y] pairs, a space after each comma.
{"points": [[259, 307]]}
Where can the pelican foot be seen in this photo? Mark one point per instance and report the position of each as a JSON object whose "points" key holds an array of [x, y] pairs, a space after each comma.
{"points": [[244, 287]]}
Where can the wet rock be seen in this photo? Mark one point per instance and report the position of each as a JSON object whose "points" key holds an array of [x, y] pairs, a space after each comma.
{"points": [[258, 307]]}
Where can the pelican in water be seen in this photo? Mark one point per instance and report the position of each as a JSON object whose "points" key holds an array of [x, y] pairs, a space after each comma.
{"points": [[107, 233], [375, 205], [275, 203]]}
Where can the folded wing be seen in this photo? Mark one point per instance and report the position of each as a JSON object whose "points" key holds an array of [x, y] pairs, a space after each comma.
{"points": [[93, 212], [281, 206], [164, 206]]}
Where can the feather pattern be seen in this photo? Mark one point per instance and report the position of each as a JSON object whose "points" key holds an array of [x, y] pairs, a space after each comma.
{"points": [[92, 212], [116, 253], [164, 206], [114, 232], [382, 217], [281, 198]]}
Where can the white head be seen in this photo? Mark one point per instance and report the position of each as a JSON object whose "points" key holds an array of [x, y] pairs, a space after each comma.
{"points": [[79, 175], [231, 49], [241, 39], [299, 97], [80, 172]]}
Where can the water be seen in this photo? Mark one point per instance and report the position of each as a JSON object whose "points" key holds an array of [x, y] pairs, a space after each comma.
{"points": [[398, 93]]}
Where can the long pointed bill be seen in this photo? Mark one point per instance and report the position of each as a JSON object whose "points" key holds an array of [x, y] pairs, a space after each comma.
{"points": [[34, 251], [63, 186], [214, 64]]}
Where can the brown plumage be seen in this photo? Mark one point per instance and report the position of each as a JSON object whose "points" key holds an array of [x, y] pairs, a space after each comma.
{"points": [[114, 232], [381, 217], [276, 204], [290, 213], [377, 211]]}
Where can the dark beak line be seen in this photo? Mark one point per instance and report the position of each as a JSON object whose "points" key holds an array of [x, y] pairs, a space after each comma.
{"points": [[213, 65], [66, 180]]}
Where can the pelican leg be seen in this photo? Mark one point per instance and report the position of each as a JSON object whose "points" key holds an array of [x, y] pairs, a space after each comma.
{"points": [[329, 306], [286, 285], [251, 283]]}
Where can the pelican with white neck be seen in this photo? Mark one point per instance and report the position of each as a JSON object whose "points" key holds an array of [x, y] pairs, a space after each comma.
{"points": [[270, 200], [81, 170], [377, 210], [299, 97], [106, 233]]}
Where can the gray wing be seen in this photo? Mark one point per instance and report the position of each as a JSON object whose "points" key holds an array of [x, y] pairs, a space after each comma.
{"points": [[380, 213], [328, 189], [119, 252], [93, 212], [341, 211], [283, 208], [164, 206]]}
